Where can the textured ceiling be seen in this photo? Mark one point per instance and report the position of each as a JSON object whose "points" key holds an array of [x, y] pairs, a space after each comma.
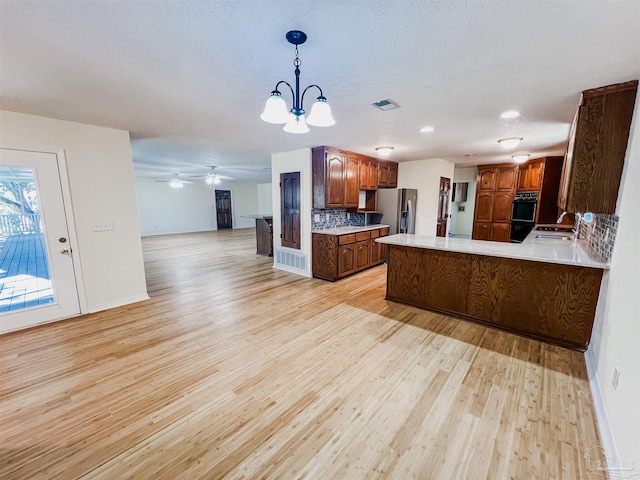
{"points": [[189, 79]]}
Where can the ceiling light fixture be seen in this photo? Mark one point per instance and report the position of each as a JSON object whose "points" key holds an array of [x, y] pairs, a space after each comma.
{"points": [[427, 129], [511, 142], [510, 114], [521, 158], [275, 110], [384, 151], [176, 183]]}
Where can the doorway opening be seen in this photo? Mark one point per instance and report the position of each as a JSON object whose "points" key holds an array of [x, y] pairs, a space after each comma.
{"points": [[290, 209], [443, 207]]}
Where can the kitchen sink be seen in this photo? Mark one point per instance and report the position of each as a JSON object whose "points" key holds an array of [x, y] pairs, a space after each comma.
{"points": [[557, 237]]}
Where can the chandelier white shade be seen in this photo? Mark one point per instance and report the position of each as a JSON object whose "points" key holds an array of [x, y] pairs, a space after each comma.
{"points": [[276, 111]]}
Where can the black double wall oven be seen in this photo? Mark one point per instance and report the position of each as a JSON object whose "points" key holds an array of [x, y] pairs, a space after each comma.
{"points": [[523, 215]]}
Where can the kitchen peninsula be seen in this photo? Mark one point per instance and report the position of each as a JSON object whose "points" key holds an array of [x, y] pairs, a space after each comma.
{"points": [[545, 289]]}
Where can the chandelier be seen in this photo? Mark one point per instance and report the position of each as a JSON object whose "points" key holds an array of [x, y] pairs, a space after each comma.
{"points": [[275, 110]]}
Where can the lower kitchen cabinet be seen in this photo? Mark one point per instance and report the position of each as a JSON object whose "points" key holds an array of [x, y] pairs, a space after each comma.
{"points": [[481, 231], [500, 232], [336, 256]]}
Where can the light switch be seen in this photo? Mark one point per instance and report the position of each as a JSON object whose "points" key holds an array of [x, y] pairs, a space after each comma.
{"points": [[103, 227]]}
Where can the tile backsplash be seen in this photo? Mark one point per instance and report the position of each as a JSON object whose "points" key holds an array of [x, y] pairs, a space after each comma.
{"points": [[599, 236], [335, 217]]}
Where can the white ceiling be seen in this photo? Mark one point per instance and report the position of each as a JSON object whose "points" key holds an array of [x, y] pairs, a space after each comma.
{"points": [[189, 79]]}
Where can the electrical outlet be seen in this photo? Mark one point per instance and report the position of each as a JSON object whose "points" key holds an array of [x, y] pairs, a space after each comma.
{"points": [[103, 227], [328, 217], [316, 217], [616, 378], [348, 215]]}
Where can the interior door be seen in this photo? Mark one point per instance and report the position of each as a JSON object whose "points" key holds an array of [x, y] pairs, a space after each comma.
{"points": [[290, 209], [37, 278], [223, 209], [443, 207]]}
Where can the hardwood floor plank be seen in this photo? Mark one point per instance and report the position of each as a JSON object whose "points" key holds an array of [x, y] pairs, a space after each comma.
{"points": [[235, 370]]}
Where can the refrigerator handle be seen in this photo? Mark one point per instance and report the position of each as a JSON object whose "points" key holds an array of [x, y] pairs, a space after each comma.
{"points": [[410, 219]]}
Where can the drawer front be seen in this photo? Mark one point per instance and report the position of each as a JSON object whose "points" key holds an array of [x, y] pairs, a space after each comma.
{"points": [[375, 233], [360, 236], [345, 239], [384, 231]]}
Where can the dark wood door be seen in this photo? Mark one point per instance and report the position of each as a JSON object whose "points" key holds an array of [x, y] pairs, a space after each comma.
{"points": [[443, 207], [484, 207], [290, 209], [502, 205], [223, 209]]}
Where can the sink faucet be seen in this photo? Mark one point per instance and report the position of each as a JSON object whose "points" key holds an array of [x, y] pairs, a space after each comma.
{"points": [[561, 217]]}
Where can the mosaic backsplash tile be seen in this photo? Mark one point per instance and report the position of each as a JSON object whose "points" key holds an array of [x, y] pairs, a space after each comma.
{"points": [[599, 236], [335, 217]]}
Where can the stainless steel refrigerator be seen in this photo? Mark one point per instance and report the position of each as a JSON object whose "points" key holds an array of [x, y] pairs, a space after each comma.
{"points": [[398, 209]]}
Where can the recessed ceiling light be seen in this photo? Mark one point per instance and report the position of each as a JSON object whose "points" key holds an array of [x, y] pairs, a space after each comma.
{"points": [[510, 114], [427, 129], [521, 158], [384, 151], [511, 142]]}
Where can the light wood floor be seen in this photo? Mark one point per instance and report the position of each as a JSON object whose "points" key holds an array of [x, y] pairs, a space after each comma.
{"points": [[236, 370]]}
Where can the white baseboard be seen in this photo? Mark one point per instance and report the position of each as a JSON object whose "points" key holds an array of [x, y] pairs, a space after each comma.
{"points": [[604, 426], [117, 303], [303, 273]]}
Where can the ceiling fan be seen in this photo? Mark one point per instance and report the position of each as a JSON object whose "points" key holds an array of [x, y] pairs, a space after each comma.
{"points": [[175, 181], [212, 178]]}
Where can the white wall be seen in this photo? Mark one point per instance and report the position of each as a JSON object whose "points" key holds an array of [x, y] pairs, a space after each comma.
{"points": [[616, 336], [462, 222], [296, 161], [424, 175], [164, 210], [101, 182], [465, 174], [265, 203], [244, 201]]}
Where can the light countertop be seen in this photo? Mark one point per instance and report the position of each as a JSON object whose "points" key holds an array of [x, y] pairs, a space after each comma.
{"points": [[265, 216], [347, 230], [567, 252]]}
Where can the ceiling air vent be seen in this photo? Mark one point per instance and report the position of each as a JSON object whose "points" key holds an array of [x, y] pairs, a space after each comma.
{"points": [[386, 104]]}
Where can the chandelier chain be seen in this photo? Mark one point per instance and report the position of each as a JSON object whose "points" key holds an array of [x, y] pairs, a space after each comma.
{"points": [[296, 61]]}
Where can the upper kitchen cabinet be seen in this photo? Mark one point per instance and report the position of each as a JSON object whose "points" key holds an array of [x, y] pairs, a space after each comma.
{"points": [[487, 177], [530, 176], [507, 176], [334, 178], [368, 173], [597, 145], [387, 174]]}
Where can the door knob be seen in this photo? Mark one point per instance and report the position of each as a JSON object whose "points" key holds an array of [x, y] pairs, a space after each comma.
{"points": [[65, 251]]}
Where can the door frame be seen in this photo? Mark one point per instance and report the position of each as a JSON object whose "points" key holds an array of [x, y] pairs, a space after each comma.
{"points": [[63, 178]]}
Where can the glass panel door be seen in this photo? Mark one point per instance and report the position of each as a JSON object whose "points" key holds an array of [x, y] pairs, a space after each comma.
{"points": [[24, 265]]}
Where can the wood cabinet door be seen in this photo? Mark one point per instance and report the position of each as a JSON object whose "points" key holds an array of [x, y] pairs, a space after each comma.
{"points": [[535, 176], [507, 178], [500, 232], [363, 175], [351, 190], [484, 207], [502, 204], [393, 175], [481, 231], [383, 175], [346, 259], [335, 182], [376, 252], [523, 180], [362, 254], [487, 179]]}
